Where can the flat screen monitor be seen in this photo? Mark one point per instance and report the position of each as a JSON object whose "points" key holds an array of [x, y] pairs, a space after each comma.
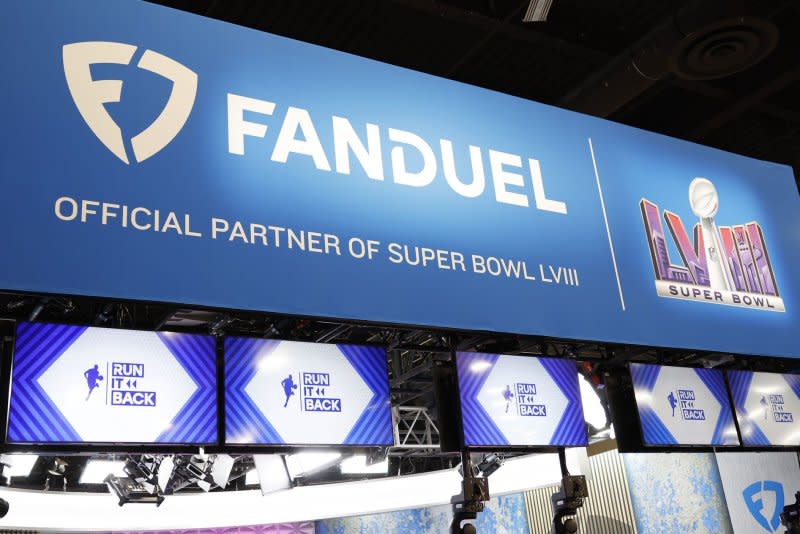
{"points": [[682, 406], [767, 407], [79, 384], [519, 401], [290, 393]]}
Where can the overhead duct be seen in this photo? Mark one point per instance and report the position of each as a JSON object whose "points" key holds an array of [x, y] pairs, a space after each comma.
{"points": [[705, 40]]}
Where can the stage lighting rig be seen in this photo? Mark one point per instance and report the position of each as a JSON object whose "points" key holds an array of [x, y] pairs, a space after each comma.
{"points": [[5, 480], [142, 483], [490, 463], [144, 472], [128, 490], [190, 470], [474, 493], [567, 502], [105, 314], [3, 502], [377, 456], [58, 469], [217, 328]]}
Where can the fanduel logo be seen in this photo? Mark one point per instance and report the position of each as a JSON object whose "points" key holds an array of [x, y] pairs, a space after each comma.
{"points": [[513, 178], [90, 96], [757, 495]]}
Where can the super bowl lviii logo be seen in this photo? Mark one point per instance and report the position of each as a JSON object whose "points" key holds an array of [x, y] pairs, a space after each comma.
{"points": [[727, 265]]}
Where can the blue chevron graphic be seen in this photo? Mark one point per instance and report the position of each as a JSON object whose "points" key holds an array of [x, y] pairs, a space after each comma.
{"points": [[571, 430], [479, 428], [740, 385], [654, 431], [794, 383], [244, 422], [741, 382], [374, 427], [33, 418], [196, 422], [725, 431]]}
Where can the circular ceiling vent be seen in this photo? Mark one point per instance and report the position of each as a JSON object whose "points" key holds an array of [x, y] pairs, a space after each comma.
{"points": [[724, 48]]}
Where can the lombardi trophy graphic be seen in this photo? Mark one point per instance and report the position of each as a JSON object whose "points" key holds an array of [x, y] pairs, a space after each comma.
{"points": [[705, 202]]}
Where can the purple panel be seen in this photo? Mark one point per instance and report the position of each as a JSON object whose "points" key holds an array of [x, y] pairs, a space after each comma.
{"points": [[764, 266], [656, 239], [731, 253], [697, 263], [659, 252], [748, 263]]}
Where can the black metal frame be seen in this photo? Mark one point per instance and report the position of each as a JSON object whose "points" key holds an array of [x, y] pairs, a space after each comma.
{"points": [[628, 427], [79, 449], [519, 449], [452, 432]]}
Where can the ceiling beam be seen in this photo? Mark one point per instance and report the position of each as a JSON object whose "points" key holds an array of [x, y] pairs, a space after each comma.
{"points": [[504, 27], [722, 95], [746, 103]]}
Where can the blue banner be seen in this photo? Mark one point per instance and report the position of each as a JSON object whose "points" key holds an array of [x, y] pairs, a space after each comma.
{"points": [[77, 384], [293, 393], [683, 406], [767, 407], [268, 174], [519, 401]]}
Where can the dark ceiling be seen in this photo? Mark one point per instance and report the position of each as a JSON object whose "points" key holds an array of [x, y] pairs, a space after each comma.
{"points": [[581, 57]]}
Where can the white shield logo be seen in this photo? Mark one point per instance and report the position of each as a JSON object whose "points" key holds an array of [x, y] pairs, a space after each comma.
{"points": [[90, 95]]}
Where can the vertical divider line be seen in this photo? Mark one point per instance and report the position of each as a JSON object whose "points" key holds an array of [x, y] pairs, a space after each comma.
{"points": [[608, 228]]}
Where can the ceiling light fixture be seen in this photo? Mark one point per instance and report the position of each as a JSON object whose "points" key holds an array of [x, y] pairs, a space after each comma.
{"points": [[96, 471], [17, 465], [270, 472], [306, 463], [593, 411], [537, 11], [357, 465]]}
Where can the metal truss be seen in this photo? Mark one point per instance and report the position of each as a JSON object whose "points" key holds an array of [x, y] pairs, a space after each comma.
{"points": [[415, 433]]}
